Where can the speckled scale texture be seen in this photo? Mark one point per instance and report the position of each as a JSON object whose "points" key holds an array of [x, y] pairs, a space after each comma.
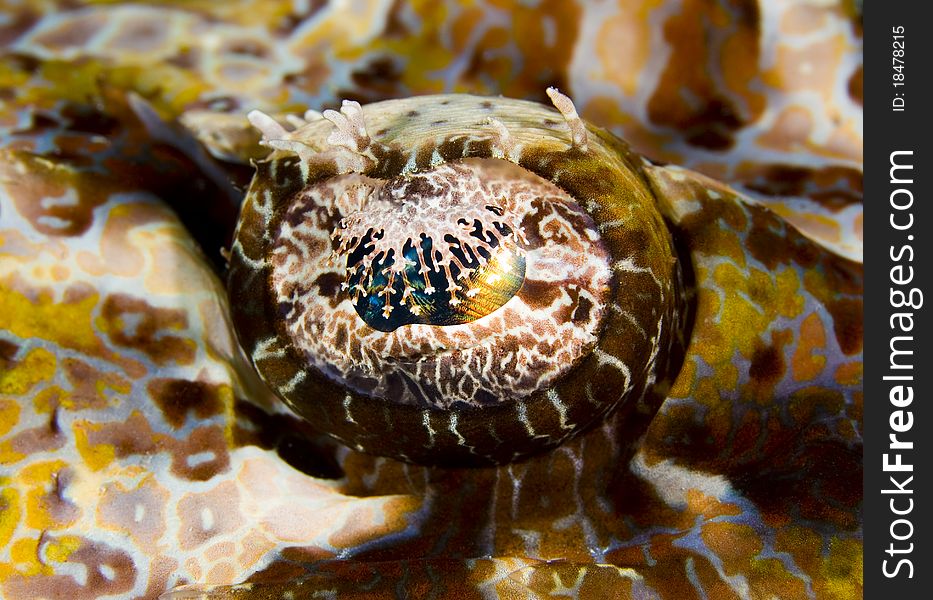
{"points": [[138, 450]]}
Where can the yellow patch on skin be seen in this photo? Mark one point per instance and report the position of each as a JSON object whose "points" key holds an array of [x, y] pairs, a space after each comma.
{"points": [[738, 316], [849, 373], [35, 367], [683, 386], [822, 227], [735, 544], [10, 514], [61, 549], [699, 503], [96, 456], [29, 559], [9, 416], [8, 455], [67, 323], [48, 399], [372, 520], [842, 570], [805, 364], [24, 553], [727, 377]]}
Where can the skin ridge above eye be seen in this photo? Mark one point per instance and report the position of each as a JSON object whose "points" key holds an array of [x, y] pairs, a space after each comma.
{"points": [[588, 328]]}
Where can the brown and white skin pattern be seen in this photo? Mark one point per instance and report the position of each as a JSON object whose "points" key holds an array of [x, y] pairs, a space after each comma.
{"points": [[589, 327], [139, 451]]}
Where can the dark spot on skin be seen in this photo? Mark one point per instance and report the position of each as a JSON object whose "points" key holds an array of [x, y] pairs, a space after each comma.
{"points": [[711, 140], [416, 186], [856, 85], [847, 323], [54, 428], [834, 188], [767, 364], [134, 323], [486, 105], [285, 309], [186, 58], [177, 397], [248, 48], [412, 113], [8, 351], [380, 76], [382, 132], [87, 119], [445, 102], [581, 312], [340, 336], [439, 122], [391, 161], [550, 122], [539, 294], [773, 244], [23, 63], [423, 157], [747, 14], [329, 284]]}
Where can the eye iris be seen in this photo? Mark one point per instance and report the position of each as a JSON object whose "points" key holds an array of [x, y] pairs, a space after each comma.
{"points": [[388, 295]]}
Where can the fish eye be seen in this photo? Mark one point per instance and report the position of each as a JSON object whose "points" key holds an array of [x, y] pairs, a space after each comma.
{"points": [[439, 289]]}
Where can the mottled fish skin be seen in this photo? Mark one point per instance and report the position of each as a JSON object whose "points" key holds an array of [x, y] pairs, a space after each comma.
{"points": [[139, 452]]}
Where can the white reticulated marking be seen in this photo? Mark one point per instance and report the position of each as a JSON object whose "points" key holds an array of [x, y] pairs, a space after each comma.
{"points": [[453, 429], [630, 318], [604, 358], [607, 225], [346, 408], [290, 386], [523, 417], [554, 398], [262, 349], [426, 419], [569, 112]]}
